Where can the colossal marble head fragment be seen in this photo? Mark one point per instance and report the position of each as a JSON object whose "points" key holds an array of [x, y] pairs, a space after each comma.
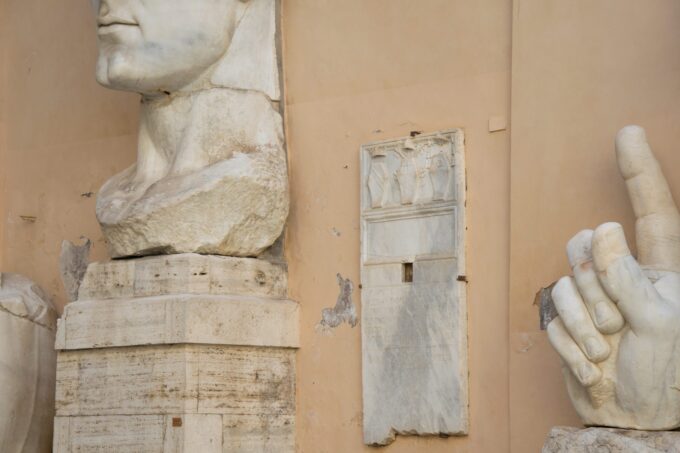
{"points": [[210, 175]]}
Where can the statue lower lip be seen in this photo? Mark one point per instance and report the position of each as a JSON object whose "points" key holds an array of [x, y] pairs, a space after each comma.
{"points": [[114, 27]]}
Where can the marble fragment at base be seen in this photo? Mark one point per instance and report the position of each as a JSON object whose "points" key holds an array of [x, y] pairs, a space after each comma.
{"points": [[414, 315], [27, 366], [610, 440]]}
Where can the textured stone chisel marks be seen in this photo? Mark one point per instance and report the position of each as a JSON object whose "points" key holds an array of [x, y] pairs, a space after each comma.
{"points": [[183, 398], [344, 310], [176, 379], [414, 315], [175, 433], [253, 433], [609, 440], [73, 262]]}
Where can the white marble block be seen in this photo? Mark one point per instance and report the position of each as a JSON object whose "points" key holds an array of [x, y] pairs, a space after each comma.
{"points": [[183, 353], [414, 317]]}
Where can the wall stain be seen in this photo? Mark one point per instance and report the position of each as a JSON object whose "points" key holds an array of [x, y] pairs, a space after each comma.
{"points": [[344, 310]]}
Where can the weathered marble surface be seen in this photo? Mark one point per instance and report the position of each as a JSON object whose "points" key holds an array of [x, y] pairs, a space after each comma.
{"points": [[27, 366], [618, 330], [184, 274], [211, 174], [203, 379], [177, 433], [609, 440], [124, 398], [414, 318], [196, 319]]}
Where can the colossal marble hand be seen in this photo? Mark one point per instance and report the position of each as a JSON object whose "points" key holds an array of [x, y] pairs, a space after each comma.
{"points": [[618, 330], [211, 174]]}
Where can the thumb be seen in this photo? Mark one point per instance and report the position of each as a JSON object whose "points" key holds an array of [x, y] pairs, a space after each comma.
{"points": [[622, 278]]}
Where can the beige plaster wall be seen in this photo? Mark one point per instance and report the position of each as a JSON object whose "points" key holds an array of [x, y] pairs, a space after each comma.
{"points": [[4, 63], [359, 71], [64, 135], [581, 71]]}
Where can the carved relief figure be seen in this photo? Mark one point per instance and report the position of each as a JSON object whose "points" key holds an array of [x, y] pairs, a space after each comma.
{"points": [[408, 176], [618, 329], [379, 181], [440, 176], [210, 175]]}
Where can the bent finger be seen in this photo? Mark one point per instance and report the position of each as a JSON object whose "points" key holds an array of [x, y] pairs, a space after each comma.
{"points": [[586, 372], [603, 311], [621, 276], [577, 321]]}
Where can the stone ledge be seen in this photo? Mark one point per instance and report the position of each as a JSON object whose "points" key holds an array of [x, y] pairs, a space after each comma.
{"points": [[183, 274], [611, 440], [182, 319], [180, 433]]}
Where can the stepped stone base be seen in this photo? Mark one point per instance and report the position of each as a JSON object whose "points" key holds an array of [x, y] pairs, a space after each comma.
{"points": [[185, 353], [610, 440]]}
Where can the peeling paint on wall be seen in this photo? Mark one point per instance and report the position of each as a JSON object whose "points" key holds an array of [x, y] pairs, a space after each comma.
{"points": [[546, 306], [344, 310]]}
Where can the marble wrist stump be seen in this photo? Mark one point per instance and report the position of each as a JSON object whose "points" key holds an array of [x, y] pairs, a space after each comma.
{"points": [[27, 366], [190, 346]]}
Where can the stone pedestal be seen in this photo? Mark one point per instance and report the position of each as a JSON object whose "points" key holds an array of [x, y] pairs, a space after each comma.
{"points": [[610, 440], [179, 353]]}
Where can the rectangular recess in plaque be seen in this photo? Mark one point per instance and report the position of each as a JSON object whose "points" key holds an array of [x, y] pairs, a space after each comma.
{"points": [[414, 313]]}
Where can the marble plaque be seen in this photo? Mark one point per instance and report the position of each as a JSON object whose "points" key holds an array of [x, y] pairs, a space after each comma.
{"points": [[414, 316]]}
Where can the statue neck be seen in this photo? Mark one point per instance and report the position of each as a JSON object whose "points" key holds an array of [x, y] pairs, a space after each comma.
{"points": [[185, 132]]}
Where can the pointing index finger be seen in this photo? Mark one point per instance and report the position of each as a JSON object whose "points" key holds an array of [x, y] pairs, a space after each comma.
{"points": [[658, 221]]}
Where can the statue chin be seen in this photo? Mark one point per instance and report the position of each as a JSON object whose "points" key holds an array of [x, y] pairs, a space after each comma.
{"points": [[117, 73]]}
